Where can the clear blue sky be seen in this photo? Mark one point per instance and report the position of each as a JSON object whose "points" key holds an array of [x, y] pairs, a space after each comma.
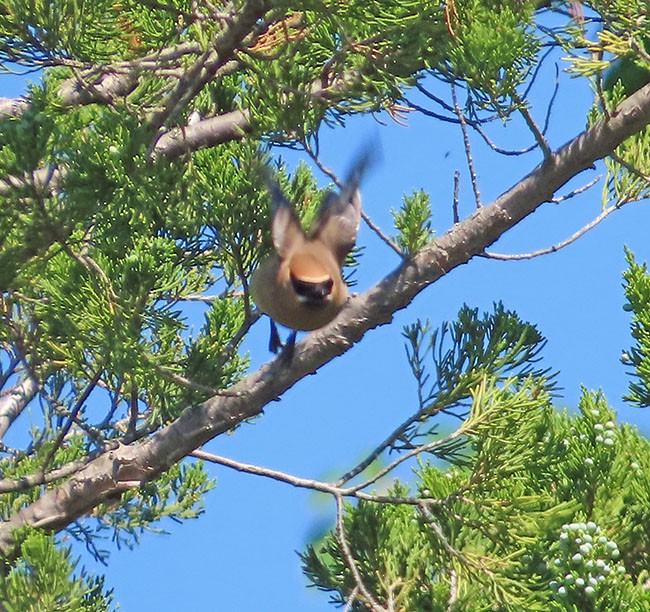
{"points": [[240, 555]]}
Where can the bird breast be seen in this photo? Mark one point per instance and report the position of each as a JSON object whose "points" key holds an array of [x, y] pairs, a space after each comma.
{"points": [[304, 291]]}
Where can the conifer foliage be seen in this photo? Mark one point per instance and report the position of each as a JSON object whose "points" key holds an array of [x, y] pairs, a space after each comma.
{"points": [[133, 187]]}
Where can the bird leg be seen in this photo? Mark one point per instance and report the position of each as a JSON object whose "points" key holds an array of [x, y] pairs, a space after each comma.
{"points": [[289, 348], [275, 344]]}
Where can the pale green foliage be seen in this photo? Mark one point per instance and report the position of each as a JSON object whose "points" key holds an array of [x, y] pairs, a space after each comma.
{"points": [[101, 274], [498, 525], [493, 48], [392, 552], [413, 221], [627, 174], [15, 468], [618, 61], [42, 580], [637, 292], [463, 354], [177, 494]]}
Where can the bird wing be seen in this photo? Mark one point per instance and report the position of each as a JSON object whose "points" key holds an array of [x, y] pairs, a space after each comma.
{"points": [[337, 221], [286, 229]]}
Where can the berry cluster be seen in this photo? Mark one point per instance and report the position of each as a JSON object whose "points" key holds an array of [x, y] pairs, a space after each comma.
{"points": [[584, 561]]}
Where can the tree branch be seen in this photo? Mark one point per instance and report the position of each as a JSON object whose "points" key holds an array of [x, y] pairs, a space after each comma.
{"points": [[12, 404], [12, 107], [351, 563], [206, 133], [560, 245], [130, 466]]}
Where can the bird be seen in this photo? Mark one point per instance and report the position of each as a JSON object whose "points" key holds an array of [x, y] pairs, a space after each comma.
{"points": [[300, 284]]}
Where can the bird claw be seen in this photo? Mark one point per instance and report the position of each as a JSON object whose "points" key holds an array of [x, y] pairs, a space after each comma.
{"points": [[276, 345], [288, 349]]}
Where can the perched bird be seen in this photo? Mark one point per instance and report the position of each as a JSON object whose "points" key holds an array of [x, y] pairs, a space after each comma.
{"points": [[300, 285]]}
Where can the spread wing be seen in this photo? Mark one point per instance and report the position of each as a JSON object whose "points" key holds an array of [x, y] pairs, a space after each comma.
{"points": [[286, 229], [337, 221]]}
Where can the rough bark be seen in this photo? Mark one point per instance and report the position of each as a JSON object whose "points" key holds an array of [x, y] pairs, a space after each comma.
{"points": [[12, 404], [128, 466]]}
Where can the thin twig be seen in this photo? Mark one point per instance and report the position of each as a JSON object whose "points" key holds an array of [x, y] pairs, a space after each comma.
{"points": [[330, 173], [349, 559], [549, 109], [578, 191], [501, 151], [351, 599], [533, 127], [424, 448], [314, 485], [433, 523], [240, 334], [72, 416], [21, 483], [456, 196], [133, 410], [453, 590], [377, 451], [560, 245], [429, 113], [194, 297], [179, 379], [468, 149]]}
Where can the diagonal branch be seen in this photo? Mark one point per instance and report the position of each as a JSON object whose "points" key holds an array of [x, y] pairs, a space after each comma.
{"points": [[129, 466], [208, 64], [15, 401]]}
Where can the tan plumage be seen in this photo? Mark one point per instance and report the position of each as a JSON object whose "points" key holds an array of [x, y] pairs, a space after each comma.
{"points": [[300, 285]]}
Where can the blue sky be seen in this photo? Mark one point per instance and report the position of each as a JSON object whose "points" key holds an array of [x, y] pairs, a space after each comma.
{"points": [[240, 555]]}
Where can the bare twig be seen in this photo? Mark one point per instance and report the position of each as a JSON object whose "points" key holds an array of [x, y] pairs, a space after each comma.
{"points": [[455, 201], [21, 483], [251, 318], [314, 485], [133, 411], [330, 173], [423, 448], [429, 113], [468, 148], [507, 152], [560, 245], [464, 559], [532, 126], [372, 456], [453, 590], [183, 381], [73, 415], [385, 239], [349, 559], [353, 597], [196, 297], [576, 192]]}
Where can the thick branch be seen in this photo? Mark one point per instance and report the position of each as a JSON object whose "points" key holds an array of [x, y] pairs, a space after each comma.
{"points": [[12, 404], [129, 466], [207, 133], [12, 107]]}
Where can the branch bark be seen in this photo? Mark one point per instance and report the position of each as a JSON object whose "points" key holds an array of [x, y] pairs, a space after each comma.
{"points": [[130, 466], [12, 404]]}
